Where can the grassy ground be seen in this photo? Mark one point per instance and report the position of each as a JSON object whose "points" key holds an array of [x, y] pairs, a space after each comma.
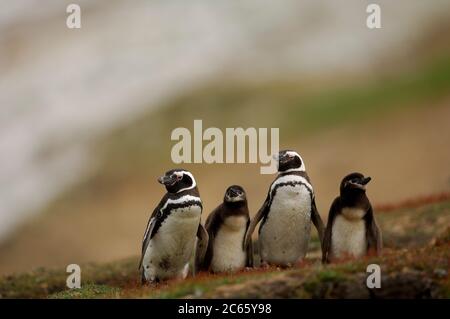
{"points": [[415, 263]]}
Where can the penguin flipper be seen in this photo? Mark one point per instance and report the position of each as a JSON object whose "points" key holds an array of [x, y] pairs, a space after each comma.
{"points": [[206, 263], [317, 220], [202, 246], [373, 234], [147, 237], [326, 243], [151, 227], [251, 228], [249, 251]]}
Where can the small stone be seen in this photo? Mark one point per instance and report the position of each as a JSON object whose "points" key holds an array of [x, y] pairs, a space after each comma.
{"points": [[441, 273], [198, 293]]}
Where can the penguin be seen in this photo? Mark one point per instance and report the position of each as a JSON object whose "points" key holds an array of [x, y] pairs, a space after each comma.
{"points": [[287, 214], [170, 237], [351, 229], [226, 227]]}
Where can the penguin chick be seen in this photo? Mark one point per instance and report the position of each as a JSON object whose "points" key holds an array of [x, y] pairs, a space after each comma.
{"points": [[351, 229], [226, 227]]}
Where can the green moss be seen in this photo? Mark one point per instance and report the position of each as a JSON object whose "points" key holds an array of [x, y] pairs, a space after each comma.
{"points": [[444, 290], [414, 226], [88, 291], [41, 282], [205, 285], [351, 268], [319, 283], [37, 284]]}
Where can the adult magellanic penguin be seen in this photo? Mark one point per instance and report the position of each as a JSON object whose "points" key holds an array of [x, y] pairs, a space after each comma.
{"points": [[287, 214], [351, 228], [170, 237], [226, 227]]}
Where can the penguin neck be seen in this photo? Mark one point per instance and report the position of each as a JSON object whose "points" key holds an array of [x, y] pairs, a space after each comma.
{"points": [[354, 198], [193, 191], [301, 173], [236, 205], [292, 171]]}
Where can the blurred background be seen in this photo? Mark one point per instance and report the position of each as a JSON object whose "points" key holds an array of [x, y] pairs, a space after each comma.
{"points": [[86, 114]]}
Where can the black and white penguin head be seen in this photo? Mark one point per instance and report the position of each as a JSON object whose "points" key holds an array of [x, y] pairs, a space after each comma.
{"points": [[178, 180], [290, 161], [234, 193], [354, 181]]}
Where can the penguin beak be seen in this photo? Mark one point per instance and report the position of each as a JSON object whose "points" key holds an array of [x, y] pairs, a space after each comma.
{"points": [[362, 183], [233, 193], [366, 180], [166, 180]]}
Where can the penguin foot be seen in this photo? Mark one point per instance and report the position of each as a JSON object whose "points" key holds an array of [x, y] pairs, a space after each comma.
{"points": [[154, 283]]}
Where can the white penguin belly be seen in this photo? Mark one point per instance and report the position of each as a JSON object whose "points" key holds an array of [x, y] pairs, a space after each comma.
{"points": [[169, 251], [348, 236], [228, 253], [284, 237]]}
